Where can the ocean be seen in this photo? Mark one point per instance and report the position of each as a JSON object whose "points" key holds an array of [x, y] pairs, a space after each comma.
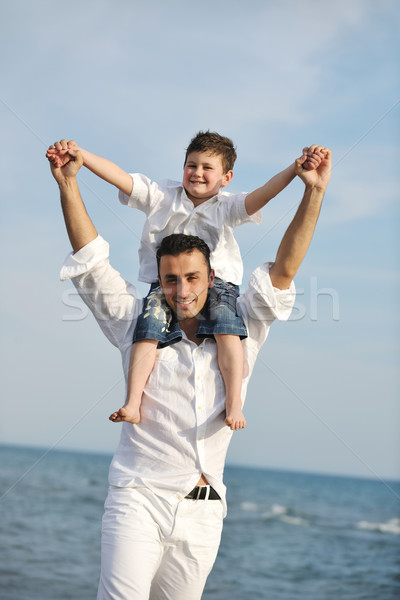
{"points": [[287, 536]]}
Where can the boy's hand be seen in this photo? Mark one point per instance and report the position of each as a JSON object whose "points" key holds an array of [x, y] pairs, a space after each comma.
{"points": [[66, 167], [58, 153], [314, 155], [319, 159]]}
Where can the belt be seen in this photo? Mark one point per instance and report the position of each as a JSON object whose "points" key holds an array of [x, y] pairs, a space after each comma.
{"points": [[203, 492]]}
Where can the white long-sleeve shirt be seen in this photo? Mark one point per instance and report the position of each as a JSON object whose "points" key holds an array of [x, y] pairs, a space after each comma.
{"points": [[168, 210], [182, 433]]}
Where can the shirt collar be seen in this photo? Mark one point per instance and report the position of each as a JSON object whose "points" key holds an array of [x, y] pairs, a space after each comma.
{"points": [[183, 192]]}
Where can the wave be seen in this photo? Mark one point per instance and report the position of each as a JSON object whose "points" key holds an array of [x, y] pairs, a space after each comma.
{"points": [[275, 512], [390, 526], [279, 512]]}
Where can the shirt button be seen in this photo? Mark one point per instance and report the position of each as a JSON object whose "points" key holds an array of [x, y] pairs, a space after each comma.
{"points": [[199, 439], [179, 497]]}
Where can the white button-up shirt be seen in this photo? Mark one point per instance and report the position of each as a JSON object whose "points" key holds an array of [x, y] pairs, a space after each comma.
{"points": [[169, 210], [182, 433]]}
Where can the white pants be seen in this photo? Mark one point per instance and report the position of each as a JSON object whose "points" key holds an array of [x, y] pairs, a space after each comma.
{"points": [[151, 550]]}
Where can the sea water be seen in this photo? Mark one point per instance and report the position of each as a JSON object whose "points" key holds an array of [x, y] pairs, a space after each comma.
{"points": [[287, 536]]}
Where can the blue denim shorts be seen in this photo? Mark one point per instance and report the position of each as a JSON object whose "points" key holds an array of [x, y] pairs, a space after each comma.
{"points": [[219, 314], [158, 322]]}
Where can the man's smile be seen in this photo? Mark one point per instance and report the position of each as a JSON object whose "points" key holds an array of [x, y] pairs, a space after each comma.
{"points": [[185, 279], [184, 302]]}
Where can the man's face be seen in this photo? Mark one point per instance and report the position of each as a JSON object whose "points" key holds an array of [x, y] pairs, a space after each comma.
{"points": [[185, 280], [203, 176]]}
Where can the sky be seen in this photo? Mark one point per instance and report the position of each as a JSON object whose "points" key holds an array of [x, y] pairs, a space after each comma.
{"points": [[134, 81]]}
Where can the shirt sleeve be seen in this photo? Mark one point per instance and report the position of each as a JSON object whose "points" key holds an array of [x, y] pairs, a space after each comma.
{"points": [[235, 212], [111, 299], [144, 196], [262, 303]]}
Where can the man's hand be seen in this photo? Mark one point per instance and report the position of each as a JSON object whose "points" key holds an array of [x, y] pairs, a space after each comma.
{"points": [[314, 166], [65, 160], [297, 238], [65, 163], [58, 154]]}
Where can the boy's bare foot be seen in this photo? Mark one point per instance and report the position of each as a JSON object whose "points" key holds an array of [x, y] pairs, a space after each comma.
{"points": [[125, 414], [235, 420]]}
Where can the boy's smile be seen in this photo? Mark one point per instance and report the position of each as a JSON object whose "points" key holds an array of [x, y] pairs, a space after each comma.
{"points": [[203, 176]]}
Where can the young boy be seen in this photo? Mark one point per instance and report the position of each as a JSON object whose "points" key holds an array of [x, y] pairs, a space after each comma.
{"points": [[198, 206]]}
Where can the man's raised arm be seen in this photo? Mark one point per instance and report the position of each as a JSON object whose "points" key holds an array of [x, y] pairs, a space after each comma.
{"points": [[297, 238], [79, 226]]}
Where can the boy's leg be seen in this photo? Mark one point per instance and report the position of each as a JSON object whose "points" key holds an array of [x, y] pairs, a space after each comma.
{"points": [[221, 321], [141, 363], [230, 361], [155, 327]]}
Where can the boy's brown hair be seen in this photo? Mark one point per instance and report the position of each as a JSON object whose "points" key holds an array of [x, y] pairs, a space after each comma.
{"points": [[215, 144]]}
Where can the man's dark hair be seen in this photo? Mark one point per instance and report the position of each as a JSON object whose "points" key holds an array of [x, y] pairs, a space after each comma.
{"points": [[178, 243], [214, 144]]}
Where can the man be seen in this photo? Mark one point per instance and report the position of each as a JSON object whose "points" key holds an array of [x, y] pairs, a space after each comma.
{"points": [[163, 514]]}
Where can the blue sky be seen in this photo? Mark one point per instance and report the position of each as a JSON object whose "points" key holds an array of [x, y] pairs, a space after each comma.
{"points": [[133, 81]]}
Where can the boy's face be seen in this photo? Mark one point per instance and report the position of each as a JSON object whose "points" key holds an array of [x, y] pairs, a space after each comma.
{"points": [[203, 176], [185, 280]]}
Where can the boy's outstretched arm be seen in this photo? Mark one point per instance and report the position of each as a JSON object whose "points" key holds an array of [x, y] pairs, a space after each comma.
{"points": [[262, 195], [102, 167], [297, 238]]}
